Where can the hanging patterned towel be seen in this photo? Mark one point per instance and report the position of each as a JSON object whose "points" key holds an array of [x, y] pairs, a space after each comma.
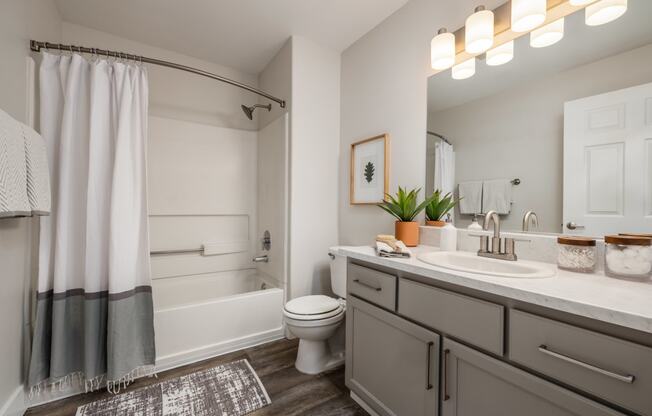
{"points": [[38, 176], [14, 201]]}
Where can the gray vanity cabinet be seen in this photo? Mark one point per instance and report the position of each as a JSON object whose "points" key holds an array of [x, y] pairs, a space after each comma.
{"points": [[391, 364], [475, 384]]}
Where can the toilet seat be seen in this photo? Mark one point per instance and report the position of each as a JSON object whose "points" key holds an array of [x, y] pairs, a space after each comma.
{"points": [[313, 308]]}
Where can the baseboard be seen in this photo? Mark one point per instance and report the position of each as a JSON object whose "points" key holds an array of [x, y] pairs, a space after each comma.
{"points": [[364, 405], [170, 361], [164, 363], [15, 404]]}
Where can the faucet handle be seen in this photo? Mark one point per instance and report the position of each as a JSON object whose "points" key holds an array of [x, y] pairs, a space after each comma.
{"points": [[481, 234]]}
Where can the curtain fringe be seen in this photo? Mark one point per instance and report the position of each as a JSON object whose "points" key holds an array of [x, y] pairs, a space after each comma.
{"points": [[92, 384]]}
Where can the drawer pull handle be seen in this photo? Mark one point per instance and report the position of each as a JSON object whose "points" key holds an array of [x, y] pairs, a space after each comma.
{"points": [[625, 379], [358, 281], [445, 375], [428, 354]]}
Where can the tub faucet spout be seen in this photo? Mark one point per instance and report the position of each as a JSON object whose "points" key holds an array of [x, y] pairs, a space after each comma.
{"points": [[261, 259]]}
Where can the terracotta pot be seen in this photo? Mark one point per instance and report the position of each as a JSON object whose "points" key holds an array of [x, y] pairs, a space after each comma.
{"points": [[407, 232], [435, 223]]}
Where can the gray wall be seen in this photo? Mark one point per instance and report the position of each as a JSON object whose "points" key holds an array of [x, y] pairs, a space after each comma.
{"points": [[519, 132], [20, 20], [383, 87]]}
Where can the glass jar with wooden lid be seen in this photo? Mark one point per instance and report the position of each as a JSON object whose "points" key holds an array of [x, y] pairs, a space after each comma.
{"points": [[628, 256], [577, 254]]}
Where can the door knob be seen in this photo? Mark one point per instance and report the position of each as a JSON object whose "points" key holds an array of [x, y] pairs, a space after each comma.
{"points": [[572, 226]]}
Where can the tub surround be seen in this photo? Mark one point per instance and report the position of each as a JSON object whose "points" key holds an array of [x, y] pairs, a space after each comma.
{"points": [[594, 296]]}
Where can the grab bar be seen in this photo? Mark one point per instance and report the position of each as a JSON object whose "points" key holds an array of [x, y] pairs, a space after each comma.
{"points": [[180, 251]]}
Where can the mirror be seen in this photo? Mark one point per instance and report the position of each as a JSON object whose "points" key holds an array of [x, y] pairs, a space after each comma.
{"points": [[564, 131]]}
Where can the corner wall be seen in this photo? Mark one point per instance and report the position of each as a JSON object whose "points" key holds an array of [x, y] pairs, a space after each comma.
{"points": [[384, 90], [20, 21]]}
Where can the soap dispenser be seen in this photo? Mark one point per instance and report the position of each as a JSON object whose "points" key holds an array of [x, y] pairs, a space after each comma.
{"points": [[448, 241], [474, 226]]}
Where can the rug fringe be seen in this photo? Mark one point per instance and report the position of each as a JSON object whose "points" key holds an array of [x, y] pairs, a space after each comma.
{"points": [[92, 384]]}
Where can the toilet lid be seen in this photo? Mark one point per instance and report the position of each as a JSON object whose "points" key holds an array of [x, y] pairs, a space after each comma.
{"points": [[312, 307]]}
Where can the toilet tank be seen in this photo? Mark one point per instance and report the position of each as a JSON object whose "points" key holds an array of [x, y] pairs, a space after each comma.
{"points": [[338, 272]]}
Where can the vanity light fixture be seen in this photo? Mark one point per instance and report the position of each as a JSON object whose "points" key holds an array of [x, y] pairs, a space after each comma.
{"points": [[501, 54], [604, 11], [442, 50], [528, 14], [479, 31], [464, 70], [547, 35]]}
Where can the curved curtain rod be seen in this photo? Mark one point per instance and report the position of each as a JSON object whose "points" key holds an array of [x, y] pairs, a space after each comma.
{"points": [[37, 46], [445, 140]]}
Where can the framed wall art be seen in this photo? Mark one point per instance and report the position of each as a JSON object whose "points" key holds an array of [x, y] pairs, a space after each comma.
{"points": [[369, 170]]}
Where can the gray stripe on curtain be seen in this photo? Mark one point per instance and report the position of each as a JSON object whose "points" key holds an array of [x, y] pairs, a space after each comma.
{"points": [[93, 334], [93, 295]]}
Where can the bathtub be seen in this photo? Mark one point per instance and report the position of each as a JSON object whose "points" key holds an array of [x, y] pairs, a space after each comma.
{"points": [[201, 316]]}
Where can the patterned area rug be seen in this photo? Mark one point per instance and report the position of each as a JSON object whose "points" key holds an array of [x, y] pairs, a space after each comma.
{"points": [[232, 389]]}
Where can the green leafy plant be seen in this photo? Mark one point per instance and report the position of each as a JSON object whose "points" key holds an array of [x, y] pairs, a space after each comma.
{"points": [[404, 205], [440, 205], [369, 170]]}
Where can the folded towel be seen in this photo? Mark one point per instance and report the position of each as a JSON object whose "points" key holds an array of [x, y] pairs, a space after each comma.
{"points": [[38, 174], [471, 197], [385, 250], [13, 169], [497, 196]]}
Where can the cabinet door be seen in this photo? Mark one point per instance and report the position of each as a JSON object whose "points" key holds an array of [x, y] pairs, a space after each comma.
{"points": [[475, 384], [391, 364]]}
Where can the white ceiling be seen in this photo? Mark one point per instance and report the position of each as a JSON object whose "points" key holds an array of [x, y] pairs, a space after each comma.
{"points": [[243, 34], [581, 45]]}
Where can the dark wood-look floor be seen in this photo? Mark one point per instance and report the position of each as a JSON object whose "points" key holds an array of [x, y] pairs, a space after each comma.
{"points": [[292, 392]]}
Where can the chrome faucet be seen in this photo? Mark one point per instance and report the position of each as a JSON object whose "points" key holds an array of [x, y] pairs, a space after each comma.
{"points": [[530, 216], [502, 249], [261, 259]]}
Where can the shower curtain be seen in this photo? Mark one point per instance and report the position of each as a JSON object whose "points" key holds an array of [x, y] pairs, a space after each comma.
{"points": [[444, 167], [94, 312]]}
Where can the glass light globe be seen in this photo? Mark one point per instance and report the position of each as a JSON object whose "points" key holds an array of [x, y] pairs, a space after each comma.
{"points": [[528, 14], [604, 11], [479, 31], [500, 55], [464, 70], [547, 35], [442, 50]]}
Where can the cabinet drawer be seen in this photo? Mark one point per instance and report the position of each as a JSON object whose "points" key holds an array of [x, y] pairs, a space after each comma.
{"points": [[615, 370], [475, 321], [372, 285]]}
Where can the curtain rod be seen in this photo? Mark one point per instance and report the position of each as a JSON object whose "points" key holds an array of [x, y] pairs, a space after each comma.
{"points": [[445, 140], [37, 46]]}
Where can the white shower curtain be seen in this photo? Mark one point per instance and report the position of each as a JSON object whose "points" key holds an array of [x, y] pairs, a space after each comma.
{"points": [[444, 167], [94, 317]]}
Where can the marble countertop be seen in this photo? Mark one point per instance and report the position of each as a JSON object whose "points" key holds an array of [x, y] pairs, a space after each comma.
{"points": [[620, 302]]}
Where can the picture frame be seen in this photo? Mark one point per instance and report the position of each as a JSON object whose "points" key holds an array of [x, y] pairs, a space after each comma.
{"points": [[369, 173]]}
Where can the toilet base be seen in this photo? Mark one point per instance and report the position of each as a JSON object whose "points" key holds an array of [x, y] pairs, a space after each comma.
{"points": [[315, 357]]}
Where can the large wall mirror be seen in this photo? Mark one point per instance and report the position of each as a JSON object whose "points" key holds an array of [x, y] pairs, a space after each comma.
{"points": [[564, 131]]}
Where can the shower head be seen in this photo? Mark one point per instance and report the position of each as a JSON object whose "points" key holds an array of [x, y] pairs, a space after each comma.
{"points": [[249, 111]]}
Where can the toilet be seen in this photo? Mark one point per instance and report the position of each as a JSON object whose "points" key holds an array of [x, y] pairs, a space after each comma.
{"points": [[314, 319]]}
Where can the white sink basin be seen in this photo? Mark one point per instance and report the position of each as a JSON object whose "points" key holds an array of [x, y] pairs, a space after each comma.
{"points": [[472, 263]]}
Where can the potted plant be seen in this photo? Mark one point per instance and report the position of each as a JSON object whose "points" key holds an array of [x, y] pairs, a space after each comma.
{"points": [[404, 208], [438, 207]]}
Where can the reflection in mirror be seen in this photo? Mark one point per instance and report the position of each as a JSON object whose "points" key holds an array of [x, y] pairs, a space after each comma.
{"points": [[572, 122]]}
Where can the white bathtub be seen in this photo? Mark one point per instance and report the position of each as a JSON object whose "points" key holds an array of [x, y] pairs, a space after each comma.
{"points": [[201, 316]]}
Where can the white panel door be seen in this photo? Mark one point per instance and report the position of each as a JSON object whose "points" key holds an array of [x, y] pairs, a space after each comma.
{"points": [[607, 163]]}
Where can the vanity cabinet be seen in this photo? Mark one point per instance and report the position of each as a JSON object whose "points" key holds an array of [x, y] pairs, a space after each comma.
{"points": [[475, 384], [391, 364]]}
